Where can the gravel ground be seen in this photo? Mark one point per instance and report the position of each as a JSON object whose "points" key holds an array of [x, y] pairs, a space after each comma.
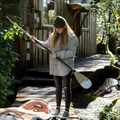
{"points": [[91, 112]]}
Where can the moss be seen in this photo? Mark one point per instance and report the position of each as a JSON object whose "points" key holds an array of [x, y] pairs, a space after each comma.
{"points": [[81, 100]]}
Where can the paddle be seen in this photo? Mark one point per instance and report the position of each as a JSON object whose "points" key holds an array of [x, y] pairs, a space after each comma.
{"points": [[83, 80]]}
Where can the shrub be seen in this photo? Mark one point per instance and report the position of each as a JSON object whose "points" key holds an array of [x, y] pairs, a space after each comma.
{"points": [[7, 55]]}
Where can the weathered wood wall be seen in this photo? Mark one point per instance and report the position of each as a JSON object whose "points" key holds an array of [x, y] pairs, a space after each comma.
{"points": [[87, 41], [31, 55]]}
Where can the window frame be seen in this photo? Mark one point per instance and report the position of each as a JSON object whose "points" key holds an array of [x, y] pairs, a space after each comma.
{"points": [[85, 28], [47, 25]]}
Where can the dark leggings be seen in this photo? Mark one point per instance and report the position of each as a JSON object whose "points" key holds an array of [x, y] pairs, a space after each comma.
{"points": [[67, 89]]}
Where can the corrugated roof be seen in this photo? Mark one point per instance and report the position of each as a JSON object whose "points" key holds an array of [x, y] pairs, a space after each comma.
{"points": [[79, 1], [74, 4]]}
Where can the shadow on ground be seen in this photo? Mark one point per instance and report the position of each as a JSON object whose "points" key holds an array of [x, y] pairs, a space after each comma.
{"points": [[82, 100]]}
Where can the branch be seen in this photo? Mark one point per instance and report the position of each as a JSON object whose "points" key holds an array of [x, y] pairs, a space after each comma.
{"points": [[74, 18], [112, 57], [80, 28]]}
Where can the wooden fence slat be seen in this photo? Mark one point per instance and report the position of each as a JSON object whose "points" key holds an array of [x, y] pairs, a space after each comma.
{"points": [[45, 57], [34, 52], [40, 50], [36, 49]]}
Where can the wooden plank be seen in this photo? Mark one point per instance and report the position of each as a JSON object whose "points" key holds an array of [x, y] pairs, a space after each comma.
{"points": [[40, 50], [27, 59], [34, 52], [58, 6], [31, 51], [39, 4], [47, 35], [40, 91], [64, 11], [102, 91], [82, 45], [37, 78], [30, 88], [85, 44], [45, 57], [88, 43], [95, 34], [36, 49], [51, 101], [36, 4], [24, 52], [80, 52], [62, 8], [92, 34], [34, 96]]}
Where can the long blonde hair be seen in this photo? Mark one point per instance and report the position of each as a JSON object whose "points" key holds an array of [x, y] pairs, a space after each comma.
{"points": [[64, 37]]}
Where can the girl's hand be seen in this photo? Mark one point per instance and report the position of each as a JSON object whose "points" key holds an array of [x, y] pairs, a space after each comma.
{"points": [[33, 39], [53, 55]]}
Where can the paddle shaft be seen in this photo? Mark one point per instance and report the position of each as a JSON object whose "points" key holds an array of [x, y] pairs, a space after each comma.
{"points": [[37, 41]]}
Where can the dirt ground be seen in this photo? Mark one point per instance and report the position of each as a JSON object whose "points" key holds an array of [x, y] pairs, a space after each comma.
{"points": [[88, 107]]}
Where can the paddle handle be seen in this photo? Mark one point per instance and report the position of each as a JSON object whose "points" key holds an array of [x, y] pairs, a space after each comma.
{"points": [[17, 26], [37, 41]]}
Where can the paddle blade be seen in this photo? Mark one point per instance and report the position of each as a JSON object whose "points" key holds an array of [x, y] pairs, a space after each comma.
{"points": [[83, 81], [86, 84]]}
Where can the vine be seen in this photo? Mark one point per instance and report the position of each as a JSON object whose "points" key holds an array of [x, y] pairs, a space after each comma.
{"points": [[8, 57]]}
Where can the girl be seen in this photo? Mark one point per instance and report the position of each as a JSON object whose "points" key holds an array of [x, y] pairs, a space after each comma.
{"points": [[63, 44]]}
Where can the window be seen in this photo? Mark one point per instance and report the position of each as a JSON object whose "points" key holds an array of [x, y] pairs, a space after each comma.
{"points": [[48, 6], [85, 24]]}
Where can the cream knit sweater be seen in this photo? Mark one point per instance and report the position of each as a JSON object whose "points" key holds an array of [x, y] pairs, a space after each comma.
{"points": [[67, 55]]}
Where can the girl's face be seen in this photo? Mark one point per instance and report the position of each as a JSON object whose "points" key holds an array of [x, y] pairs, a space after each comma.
{"points": [[60, 30]]}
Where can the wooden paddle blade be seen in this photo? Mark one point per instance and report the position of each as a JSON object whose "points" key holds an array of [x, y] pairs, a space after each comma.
{"points": [[83, 81]]}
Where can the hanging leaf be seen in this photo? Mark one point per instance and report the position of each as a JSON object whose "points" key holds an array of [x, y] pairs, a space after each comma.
{"points": [[5, 37], [12, 33], [9, 69], [10, 37], [14, 27], [25, 37], [20, 34], [16, 32]]}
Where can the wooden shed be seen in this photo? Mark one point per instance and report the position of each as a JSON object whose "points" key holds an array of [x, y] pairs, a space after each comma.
{"points": [[35, 24]]}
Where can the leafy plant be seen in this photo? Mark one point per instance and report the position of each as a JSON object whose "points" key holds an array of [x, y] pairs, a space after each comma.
{"points": [[7, 59], [111, 112], [7, 55]]}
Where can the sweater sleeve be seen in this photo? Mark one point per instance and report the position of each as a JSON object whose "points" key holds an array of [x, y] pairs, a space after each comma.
{"points": [[71, 49], [46, 43]]}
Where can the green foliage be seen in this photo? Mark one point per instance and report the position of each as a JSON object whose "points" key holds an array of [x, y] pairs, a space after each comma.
{"points": [[8, 57], [108, 35], [111, 112]]}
